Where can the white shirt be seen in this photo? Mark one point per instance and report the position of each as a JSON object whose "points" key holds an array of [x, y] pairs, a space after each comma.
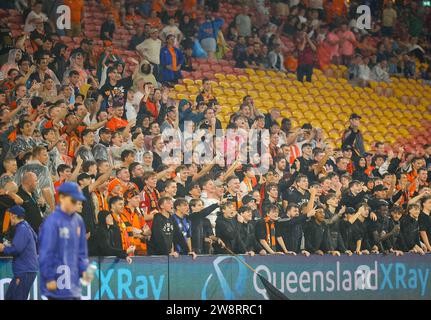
{"points": [[212, 217], [137, 98], [131, 112], [151, 50], [29, 27]]}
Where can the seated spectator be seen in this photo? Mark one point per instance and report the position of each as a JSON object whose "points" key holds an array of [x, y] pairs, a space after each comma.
{"points": [[380, 73], [276, 59]]}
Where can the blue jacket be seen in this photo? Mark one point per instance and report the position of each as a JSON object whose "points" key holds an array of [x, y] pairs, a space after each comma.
{"points": [[210, 29], [166, 60], [63, 254], [23, 249]]}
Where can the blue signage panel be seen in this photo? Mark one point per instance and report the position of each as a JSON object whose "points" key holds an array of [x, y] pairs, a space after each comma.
{"points": [[225, 277]]}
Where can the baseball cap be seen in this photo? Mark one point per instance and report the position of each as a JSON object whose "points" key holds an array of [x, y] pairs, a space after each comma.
{"points": [[171, 108], [350, 210], [104, 130], [83, 176], [247, 199], [355, 116], [307, 126], [71, 189], [18, 211], [379, 188], [347, 148], [154, 30]]}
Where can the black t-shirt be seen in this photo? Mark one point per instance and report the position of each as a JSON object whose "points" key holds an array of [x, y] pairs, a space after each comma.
{"points": [[409, 233], [33, 215], [108, 27], [118, 93], [139, 182], [262, 234], [6, 202], [351, 201], [425, 224], [89, 217], [291, 230], [162, 235], [296, 197], [183, 190]]}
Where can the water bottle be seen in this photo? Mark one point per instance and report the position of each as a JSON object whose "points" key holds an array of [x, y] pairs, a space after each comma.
{"points": [[91, 270]]}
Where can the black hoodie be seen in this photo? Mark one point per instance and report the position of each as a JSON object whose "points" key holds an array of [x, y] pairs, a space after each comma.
{"points": [[108, 238]]}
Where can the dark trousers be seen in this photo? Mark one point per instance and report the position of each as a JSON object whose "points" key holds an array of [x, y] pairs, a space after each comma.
{"points": [[156, 71], [20, 286], [304, 70], [387, 31]]}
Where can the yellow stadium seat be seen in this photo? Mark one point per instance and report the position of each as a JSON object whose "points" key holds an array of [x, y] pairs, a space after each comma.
{"points": [[229, 92], [181, 96], [193, 89], [248, 86], [243, 78], [220, 76], [180, 88], [217, 91], [231, 77], [188, 82], [255, 79], [250, 72], [261, 73], [241, 93], [224, 84], [264, 95], [236, 85]]}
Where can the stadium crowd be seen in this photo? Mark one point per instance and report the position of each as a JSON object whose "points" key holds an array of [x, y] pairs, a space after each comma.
{"points": [[69, 115]]}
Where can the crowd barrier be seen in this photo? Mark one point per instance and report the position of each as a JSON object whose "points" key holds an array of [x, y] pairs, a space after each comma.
{"points": [[224, 277]]}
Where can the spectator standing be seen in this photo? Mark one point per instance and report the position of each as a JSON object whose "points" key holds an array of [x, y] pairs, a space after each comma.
{"points": [[353, 137], [150, 50], [108, 28], [389, 19], [347, 43], [243, 22], [76, 8], [207, 35], [171, 60], [35, 16], [23, 250], [306, 56]]}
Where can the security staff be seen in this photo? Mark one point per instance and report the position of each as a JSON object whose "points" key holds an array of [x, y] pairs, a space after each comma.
{"points": [[63, 253], [23, 250]]}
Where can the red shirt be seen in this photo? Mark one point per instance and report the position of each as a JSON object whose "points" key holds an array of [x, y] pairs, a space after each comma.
{"points": [[306, 56], [115, 123]]}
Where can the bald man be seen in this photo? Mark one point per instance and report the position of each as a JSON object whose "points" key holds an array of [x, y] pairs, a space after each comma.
{"points": [[31, 205]]}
